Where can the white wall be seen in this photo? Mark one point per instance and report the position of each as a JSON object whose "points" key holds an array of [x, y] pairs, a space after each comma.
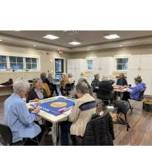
{"points": [[46, 61], [140, 62]]}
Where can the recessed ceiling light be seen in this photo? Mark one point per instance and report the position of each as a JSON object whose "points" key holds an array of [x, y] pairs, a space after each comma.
{"points": [[51, 37], [74, 43], [34, 45], [111, 36], [1, 40]]}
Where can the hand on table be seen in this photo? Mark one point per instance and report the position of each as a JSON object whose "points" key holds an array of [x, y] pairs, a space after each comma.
{"points": [[36, 110]]}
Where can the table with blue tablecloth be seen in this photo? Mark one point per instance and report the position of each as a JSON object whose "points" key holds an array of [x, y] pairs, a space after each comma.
{"points": [[55, 109]]}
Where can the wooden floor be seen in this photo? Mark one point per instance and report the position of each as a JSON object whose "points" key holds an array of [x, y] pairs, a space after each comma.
{"points": [[139, 134]]}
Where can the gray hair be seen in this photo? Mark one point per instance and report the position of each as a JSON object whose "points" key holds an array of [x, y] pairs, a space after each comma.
{"points": [[82, 87], [20, 85]]}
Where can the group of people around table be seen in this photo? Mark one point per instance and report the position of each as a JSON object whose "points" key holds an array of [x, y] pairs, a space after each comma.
{"points": [[105, 88], [89, 122]]}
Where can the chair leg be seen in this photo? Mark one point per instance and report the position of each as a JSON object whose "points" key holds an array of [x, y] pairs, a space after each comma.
{"points": [[130, 107], [123, 122], [126, 120]]}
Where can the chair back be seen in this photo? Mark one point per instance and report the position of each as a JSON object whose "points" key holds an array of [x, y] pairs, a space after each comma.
{"points": [[5, 135], [122, 106]]}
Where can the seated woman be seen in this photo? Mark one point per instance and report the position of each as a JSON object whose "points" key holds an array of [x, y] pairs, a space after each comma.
{"points": [[64, 81], [121, 80], [17, 116], [138, 89], [37, 92], [46, 84], [95, 83], [99, 130], [81, 113], [70, 77]]}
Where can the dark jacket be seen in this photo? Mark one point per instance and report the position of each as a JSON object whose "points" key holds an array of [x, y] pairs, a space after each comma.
{"points": [[105, 90], [32, 95], [122, 82], [95, 85], [99, 130]]}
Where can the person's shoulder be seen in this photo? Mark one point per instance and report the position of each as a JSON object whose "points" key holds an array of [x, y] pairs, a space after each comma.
{"points": [[14, 100], [94, 116]]}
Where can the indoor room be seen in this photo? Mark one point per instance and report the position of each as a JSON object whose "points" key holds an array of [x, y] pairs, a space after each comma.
{"points": [[75, 87]]}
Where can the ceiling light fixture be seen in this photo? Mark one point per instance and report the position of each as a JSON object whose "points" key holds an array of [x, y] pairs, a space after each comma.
{"points": [[74, 43], [111, 36], [51, 37], [1, 40]]}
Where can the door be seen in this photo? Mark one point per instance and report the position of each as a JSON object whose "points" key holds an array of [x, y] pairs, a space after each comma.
{"points": [[59, 68]]}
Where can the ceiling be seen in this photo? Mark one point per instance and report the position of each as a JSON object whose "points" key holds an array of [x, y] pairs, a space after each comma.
{"points": [[90, 40]]}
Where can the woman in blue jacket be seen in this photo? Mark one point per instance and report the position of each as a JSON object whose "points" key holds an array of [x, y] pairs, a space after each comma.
{"points": [[17, 116], [138, 89]]}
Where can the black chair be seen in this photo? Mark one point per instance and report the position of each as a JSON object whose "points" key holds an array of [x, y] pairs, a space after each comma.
{"points": [[122, 108], [5, 135]]}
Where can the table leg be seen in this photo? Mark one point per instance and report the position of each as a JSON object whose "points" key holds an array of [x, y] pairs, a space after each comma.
{"points": [[55, 129]]}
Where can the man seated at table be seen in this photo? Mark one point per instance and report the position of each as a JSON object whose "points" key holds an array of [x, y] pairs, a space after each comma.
{"points": [[95, 83], [70, 77], [81, 113], [121, 80], [137, 91], [17, 116], [37, 92]]}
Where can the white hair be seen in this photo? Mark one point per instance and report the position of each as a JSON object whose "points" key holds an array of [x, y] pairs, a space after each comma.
{"points": [[82, 87], [20, 85]]}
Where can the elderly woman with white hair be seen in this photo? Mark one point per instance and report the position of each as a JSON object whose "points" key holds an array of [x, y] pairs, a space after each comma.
{"points": [[17, 116], [81, 112]]}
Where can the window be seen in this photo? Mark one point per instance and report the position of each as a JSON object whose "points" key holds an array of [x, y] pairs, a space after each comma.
{"points": [[3, 63], [90, 64], [122, 63], [16, 63], [59, 68], [31, 63]]}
